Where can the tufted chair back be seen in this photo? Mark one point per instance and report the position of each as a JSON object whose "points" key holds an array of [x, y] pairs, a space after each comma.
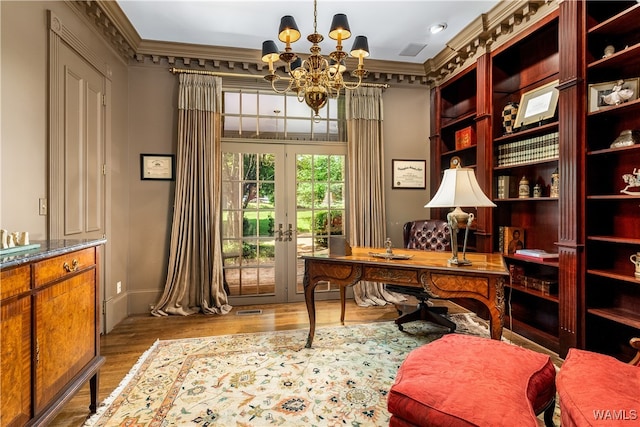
{"points": [[427, 235]]}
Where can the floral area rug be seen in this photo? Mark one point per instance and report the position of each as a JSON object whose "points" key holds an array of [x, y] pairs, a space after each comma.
{"points": [[271, 379]]}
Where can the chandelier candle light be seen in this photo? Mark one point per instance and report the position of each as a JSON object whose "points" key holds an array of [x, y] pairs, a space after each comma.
{"points": [[459, 187], [315, 79]]}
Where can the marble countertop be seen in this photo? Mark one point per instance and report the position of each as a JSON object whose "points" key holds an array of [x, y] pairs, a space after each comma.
{"points": [[47, 249]]}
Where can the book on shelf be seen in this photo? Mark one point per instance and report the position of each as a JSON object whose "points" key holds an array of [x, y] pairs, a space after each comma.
{"points": [[537, 148], [505, 186], [537, 253]]}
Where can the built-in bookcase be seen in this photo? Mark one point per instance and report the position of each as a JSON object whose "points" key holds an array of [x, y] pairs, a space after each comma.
{"points": [[526, 63], [589, 297], [612, 218]]}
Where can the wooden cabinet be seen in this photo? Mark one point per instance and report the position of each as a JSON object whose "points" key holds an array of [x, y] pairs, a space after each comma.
{"points": [[15, 344], [50, 329], [612, 217]]}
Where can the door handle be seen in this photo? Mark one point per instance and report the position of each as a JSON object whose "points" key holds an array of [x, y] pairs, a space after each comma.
{"points": [[289, 233], [279, 233]]}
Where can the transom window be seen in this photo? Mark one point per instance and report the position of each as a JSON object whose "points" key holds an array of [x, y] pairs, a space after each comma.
{"points": [[259, 114]]}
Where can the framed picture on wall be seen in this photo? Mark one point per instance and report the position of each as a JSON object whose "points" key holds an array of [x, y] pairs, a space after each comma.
{"points": [[408, 174], [157, 166]]}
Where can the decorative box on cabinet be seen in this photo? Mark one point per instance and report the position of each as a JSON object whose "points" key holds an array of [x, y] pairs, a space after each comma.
{"points": [[50, 329], [612, 218]]}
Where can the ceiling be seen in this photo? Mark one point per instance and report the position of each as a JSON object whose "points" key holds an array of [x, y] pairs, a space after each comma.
{"points": [[390, 26]]}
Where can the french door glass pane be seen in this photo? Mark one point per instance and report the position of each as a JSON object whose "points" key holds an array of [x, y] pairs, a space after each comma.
{"points": [[248, 216], [320, 208]]}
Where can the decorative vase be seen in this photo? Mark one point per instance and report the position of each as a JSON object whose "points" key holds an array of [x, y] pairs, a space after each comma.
{"points": [[537, 191], [555, 184], [509, 113], [523, 188]]}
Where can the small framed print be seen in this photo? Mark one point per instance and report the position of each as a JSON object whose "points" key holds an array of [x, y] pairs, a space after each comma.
{"points": [[408, 174], [538, 104], [157, 166], [612, 93]]}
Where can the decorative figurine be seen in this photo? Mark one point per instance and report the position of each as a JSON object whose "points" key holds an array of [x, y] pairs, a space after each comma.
{"points": [[608, 51], [523, 188], [635, 259], [632, 180], [627, 137], [618, 95], [555, 184], [509, 113]]}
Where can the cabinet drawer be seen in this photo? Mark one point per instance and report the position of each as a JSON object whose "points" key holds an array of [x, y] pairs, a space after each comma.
{"points": [[14, 281], [64, 265]]}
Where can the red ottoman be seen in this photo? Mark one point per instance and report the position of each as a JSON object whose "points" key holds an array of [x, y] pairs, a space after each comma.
{"points": [[462, 380], [598, 390]]}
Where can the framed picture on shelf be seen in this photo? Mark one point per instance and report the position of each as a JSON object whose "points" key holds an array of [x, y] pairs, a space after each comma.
{"points": [[513, 240], [408, 174], [157, 166], [612, 93], [537, 104]]}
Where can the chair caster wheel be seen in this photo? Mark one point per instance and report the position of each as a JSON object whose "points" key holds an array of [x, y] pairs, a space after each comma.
{"points": [[401, 328]]}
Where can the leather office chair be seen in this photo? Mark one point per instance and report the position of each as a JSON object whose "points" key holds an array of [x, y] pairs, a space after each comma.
{"points": [[429, 235]]}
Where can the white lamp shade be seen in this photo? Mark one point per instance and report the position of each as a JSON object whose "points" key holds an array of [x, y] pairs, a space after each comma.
{"points": [[459, 188]]}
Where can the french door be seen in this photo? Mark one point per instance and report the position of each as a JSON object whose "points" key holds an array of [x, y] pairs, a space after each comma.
{"points": [[279, 202]]}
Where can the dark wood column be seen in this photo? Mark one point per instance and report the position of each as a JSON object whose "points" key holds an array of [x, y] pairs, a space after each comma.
{"points": [[571, 241], [484, 169]]}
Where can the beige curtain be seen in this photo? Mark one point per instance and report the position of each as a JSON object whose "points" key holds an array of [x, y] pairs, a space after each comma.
{"points": [[367, 222], [194, 277]]}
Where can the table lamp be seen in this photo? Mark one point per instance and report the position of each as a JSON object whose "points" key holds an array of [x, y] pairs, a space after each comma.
{"points": [[459, 187]]}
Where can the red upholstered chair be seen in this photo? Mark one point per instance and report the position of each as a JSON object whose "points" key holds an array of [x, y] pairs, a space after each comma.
{"points": [[464, 380], [426, 235], [599, 390]]}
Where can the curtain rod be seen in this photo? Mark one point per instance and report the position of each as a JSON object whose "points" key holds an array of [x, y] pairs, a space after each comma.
{"points": [[249, 76]]}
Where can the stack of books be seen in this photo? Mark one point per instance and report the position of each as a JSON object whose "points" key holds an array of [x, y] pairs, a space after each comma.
{"points": [[538, 148], [537, 253]]}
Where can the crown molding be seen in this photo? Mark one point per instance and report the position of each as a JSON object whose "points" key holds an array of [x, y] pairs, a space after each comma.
{"points": [[489, 29]]}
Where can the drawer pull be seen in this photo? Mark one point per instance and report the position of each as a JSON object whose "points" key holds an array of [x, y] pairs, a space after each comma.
{"points": [[73, 267]]}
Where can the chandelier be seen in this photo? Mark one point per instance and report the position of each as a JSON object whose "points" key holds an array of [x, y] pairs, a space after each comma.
{"points": [[315, 79]]}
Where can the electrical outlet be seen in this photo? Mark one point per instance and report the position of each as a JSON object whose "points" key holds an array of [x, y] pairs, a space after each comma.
{"points": [[118, 287], [42, 206]]}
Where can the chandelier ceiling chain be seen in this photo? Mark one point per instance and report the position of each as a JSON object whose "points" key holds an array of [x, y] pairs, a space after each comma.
{"points": [[315, 79]]}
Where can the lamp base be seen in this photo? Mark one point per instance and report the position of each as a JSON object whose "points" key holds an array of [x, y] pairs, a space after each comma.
{"points": [[456, 261]]}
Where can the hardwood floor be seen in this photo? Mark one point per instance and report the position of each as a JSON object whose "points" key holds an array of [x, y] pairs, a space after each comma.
{"points": [[133, 336]]}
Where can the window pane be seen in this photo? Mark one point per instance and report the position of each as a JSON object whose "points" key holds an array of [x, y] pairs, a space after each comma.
{"points": [[250, 103], [232, 103], [299, 127], [296, 108], [269, 104], [249, 127], [333, 108]]}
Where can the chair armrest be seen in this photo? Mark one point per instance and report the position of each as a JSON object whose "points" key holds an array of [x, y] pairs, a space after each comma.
{"points": [[635, 343]]}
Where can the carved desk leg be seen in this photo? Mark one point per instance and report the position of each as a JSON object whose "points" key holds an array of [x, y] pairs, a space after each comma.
{"points": [[310, 300], [496, 309]]}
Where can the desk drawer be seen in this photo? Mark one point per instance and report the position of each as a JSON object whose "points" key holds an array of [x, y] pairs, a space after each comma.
{"points": [[64, 265], [15, 281]]}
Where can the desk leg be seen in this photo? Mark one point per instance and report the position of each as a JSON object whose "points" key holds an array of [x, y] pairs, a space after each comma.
{"points": [[496, 310], [310, 300], [343, 301]]}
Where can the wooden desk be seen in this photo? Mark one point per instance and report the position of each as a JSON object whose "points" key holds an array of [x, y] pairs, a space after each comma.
{"points": [[482, 281]]}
